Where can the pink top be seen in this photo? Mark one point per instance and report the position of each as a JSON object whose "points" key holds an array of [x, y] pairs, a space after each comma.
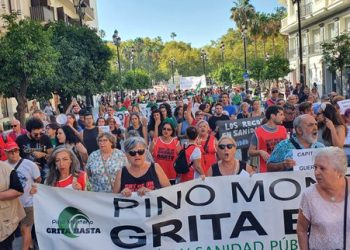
{"points": [[326, 220]]}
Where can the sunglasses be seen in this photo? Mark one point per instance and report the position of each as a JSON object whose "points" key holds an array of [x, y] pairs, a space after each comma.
{"points": [[16, 150], [274, 91], [37, 134], [229, 146], [13, 126], [134, 152], [167, 129]]}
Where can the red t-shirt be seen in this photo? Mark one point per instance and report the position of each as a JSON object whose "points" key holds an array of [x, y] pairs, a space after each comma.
{"points": [[68, 182]]}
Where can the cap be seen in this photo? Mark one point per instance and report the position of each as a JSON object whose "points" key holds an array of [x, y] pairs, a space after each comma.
{"points": [[10, 145]]}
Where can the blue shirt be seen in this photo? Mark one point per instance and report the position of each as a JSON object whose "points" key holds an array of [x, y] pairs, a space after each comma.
{"points": [[231, 110], [284, 150]]}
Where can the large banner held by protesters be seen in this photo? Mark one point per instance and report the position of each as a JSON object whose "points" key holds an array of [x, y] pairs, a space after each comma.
{"points": [[241, 129], [229, 212], [193, 82]]}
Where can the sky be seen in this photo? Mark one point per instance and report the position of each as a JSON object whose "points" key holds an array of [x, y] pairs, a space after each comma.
{"points": [[194, 21]]}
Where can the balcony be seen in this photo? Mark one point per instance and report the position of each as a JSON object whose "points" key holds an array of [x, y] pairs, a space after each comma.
{"points": [[305, 10], [89, 14], [41, 13]]}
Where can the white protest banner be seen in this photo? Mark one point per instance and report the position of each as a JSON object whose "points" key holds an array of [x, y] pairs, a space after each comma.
{"points": [[344, 105], [105, 129], [304, 159], [229, 212], [193, 82], [146, 112]]}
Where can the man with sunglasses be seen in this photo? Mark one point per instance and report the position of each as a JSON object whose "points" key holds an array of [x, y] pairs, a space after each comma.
{"points": [[17, 130], [34, 145], [274, 97]]}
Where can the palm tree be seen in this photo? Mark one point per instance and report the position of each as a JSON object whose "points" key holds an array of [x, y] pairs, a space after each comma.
{"points": [[255, 32], [242, 13], [173, 35]]}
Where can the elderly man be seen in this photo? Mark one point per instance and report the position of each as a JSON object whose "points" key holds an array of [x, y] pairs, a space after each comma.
{"points": [[17, 130], [304, 136], [10, 207], [292, 99]]}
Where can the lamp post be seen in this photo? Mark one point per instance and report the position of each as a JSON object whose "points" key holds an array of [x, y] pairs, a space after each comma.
{"points": [[204, 57], [301, 79], [244, 36], [172, 63], [132, 51], [117, 41], [80, 7], [222, 48]]}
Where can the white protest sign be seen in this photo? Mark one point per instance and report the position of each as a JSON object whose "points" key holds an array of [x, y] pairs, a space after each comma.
{"points": [[105, 129], [304, 158], [193, 82], [255, 212], [344, 105]]}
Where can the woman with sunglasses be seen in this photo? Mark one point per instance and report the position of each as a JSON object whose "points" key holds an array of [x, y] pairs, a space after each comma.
{"points": [[208, 145], [331, 128], [139, 175], [103, 164], [165, 149], [227, 164]]}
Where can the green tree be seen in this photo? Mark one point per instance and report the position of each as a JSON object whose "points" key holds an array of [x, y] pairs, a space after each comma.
{"points": [[26, 59], [277, 66], [83, 62], [137, 79], [336, 55], [242, 13], [173, 35]]}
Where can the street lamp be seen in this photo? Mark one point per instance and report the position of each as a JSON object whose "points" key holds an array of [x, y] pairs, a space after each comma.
{"points": [[117, 41], [172, 63], [244, 36], [132, 51], [80, 7], [204, 57], [300, 44], [222, 48]]}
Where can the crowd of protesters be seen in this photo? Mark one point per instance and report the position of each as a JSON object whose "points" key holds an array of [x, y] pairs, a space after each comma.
{"points": [[136, 153]]}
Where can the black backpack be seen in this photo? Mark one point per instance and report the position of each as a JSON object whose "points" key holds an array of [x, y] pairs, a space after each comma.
{"points": [[181, 165]]}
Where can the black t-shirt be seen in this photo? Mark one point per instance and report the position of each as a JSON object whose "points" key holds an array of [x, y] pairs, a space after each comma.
{"points": [[28, 145], [289, 126], [15, 182], [212, 120]]}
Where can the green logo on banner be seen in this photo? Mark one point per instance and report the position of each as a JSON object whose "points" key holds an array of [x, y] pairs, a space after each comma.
{"points": [[70, 219]]}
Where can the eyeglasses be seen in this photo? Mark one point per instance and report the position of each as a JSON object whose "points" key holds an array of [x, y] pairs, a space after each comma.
{"points": [[13, 126], [274, 91], [167, 129], [16, 150], [134, 152], [103, 140], [37, 134], [229, 146]]}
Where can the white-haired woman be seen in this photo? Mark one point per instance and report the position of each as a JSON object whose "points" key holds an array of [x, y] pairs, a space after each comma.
{"points": [[64, 170], [323, 205], [139, 175], [228, 164], [207, 144]]}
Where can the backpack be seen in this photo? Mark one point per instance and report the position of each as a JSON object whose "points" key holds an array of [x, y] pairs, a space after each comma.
{"points": [[181, 165]]}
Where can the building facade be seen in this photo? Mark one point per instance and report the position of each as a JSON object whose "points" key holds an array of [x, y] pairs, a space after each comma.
{"points": [[321, 21], [43, 11]]}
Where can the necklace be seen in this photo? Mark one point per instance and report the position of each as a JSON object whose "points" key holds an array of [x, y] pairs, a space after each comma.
{"points": [[333, 198]]}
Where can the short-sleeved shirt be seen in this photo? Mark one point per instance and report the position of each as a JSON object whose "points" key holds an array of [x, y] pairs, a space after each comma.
{"points": [[98, 177], [27, 172], [28, 145], [326, 219], [284, 150], [230, 109]]}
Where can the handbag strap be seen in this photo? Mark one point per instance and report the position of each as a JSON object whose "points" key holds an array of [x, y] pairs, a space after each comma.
{"points": [[18, 163], [345, 211], [105, 168], [296, 145], [206, 144]]}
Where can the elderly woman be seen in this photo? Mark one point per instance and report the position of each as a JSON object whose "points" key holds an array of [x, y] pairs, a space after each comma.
{"points": [[227, 164], [139, 175], [104, 163], [64, 170], [165, 149], [244, 111], [323, 206], [207, 144]]}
